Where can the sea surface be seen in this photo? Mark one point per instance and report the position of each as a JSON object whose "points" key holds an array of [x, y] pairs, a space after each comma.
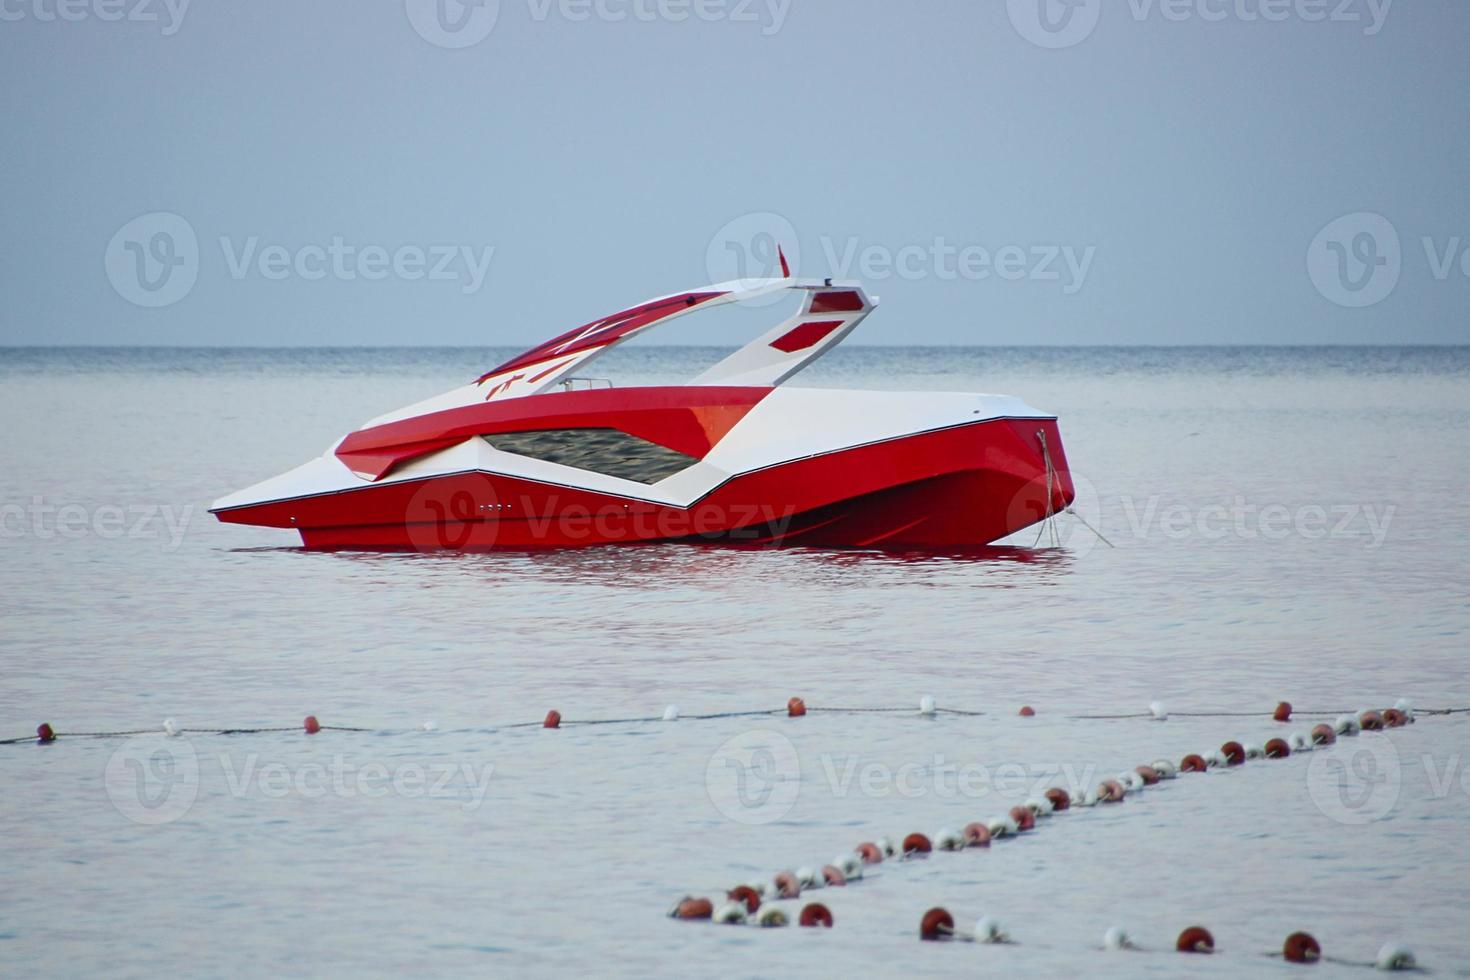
{"points": [[1281, 524]]}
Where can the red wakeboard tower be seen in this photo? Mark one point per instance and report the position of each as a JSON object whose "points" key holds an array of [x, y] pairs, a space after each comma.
{"points": [[530, 455]]}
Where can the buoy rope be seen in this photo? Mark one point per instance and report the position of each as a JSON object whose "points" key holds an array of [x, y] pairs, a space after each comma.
{"points": [[929, 710]]}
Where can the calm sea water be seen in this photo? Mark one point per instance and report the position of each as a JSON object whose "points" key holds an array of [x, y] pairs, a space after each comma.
{"points": [[1286, 524]]}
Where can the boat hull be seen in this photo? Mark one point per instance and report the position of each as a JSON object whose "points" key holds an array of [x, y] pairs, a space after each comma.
{"points": [[959, 486]]}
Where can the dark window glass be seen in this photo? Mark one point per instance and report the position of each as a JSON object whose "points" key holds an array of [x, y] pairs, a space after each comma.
{"points": [[605, 451]]}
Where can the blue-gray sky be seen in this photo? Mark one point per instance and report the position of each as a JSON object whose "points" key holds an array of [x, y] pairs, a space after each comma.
{"points": [[1159, 174]]}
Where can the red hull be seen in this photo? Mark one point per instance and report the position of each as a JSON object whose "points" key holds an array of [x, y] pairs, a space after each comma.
{"points": [[957, 487]]}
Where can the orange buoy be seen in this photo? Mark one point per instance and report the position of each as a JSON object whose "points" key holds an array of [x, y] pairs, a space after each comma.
{"points": [[1371, 721], [1233, 752], [1394, 718], [833, 876], [1192, 763], [44, 734], [1301, 948], [869, 853], [976, 835], [1025, 819], [916, 844], [311, 725], [692, 908], [1283, 711], [1027, 711], [1323, 734], [553, 719], [1277, 748], [1059, 798], [1195, 939], [787, 886], [816, 915], [795, 708], [1148, 774], [936, 924], [747, 896]]}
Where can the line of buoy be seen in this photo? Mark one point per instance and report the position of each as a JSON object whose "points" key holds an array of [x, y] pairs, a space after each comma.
{"points": [[1343, 724]]}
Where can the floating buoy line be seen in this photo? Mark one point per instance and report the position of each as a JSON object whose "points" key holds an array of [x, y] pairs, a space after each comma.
{"points": [[1369, 720], [751, 903]]}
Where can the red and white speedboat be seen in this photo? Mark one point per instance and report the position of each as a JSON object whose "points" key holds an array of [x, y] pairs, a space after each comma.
{"points": [[531, 456]]}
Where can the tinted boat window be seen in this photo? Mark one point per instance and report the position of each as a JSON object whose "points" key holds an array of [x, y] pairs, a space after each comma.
{"points": [[605, 451]]}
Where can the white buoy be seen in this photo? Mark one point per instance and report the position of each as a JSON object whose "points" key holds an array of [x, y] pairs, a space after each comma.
{"points": [[886, 846], [926, 705], [1299, 742], [1253, 751], [731, 913], [949, 840], [1088, 798], [1132, 781], [1165, 768], [1117, 938], [989, 930], [1002, 827], [1346, 725], [1157, 709], [810, 878], [1040, 806], [1395, 956], [170, 727], [1217, 760], [771, 916], [1406, 706], [671, 713], [431, 726], [850, 864]]}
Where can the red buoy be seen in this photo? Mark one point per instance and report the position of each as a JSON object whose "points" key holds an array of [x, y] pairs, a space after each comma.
{"points": [[976, 835], [1371, 721], [795, 708], [1148, 774], [693, 908], [553, 719], [1192, 763], [1195, 939], [747, 896], [1301, 948], [787, 886], [1025, 819], [1110, 791], [917, 844], [870, 853], [1394, 718], [936, 924], [1277, 748], [1027, 711], [1323, 734], [816, 915], [44, 734], [1059, 798], [311, 725], [1233, 752], [1283, 711], [833, 876]]}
